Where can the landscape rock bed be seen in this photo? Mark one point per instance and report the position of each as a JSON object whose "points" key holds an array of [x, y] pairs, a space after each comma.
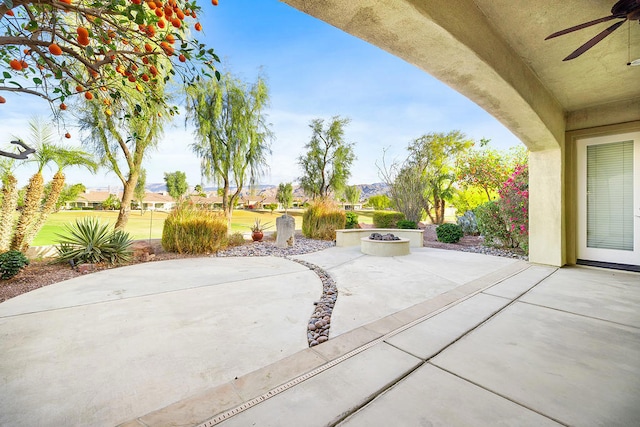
{"points": [[320, 321]]}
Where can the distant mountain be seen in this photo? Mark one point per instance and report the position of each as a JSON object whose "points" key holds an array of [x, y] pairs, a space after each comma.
{"points": [[269, 190]]}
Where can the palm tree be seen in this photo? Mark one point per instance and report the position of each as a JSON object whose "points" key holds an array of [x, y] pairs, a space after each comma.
{"points": [[9, 203], [34, 213]]}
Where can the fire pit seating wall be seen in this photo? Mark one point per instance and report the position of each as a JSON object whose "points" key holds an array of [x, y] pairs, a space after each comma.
{"points": [[353, 237]]}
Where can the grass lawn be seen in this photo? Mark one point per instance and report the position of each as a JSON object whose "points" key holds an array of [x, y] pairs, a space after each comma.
{"points": [[149, 225]]}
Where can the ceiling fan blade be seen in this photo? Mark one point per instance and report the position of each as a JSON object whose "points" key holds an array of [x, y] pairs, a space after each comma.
{"points": [[591, 43], [581, 26]]}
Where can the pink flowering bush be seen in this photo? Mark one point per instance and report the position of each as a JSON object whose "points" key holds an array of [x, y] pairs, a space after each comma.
{"points": [[514, 206], [505, 222]]}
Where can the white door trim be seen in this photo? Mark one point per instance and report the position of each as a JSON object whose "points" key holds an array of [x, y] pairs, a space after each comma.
{"points": [[597, 254]]}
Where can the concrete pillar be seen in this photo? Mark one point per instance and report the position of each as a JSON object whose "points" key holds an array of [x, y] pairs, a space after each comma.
{"points": [[286, 228], [546, 207]]}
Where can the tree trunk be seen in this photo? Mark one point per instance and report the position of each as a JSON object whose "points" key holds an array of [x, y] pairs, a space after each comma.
{"points": [[125, 203], [7, 214], [57, 185], [29, 212]]}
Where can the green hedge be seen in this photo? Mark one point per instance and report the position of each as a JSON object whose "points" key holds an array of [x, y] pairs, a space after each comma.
{"points": [[387, 219]]}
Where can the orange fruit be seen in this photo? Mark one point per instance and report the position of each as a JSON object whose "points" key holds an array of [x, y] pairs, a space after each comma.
{"points": [[161, 23], [153, 70], [88, 95], [176, 22], [63, 106], [55, 49], [132, 78], [84, 41], [2, 100], [170, 38], [168, 49], [67, 135], [24, 64], [15, 64], [145, 60], [180, 14], [79, 88], [66, 1], [198, 26], [10, 12], [82, 32], [182, 58], [144, 77], [214, 2], [151, 5], [148, 47], [159, 12], [136, 1]]}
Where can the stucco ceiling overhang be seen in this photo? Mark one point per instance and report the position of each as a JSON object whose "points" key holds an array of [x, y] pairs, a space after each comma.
{"points": [[495, 53]]}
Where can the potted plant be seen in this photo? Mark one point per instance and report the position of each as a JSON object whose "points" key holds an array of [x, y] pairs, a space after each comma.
{"points": [[257, 230]]}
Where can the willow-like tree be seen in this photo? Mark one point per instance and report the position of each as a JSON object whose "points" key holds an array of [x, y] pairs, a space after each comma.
{"points": [[139, 192], [232, 136], [176, 183], [122, 138], [434, 156], [284, 195], [326, 164], [352, 195]]}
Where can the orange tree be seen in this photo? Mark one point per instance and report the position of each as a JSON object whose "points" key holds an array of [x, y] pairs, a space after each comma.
{"points": [[57, 49]]}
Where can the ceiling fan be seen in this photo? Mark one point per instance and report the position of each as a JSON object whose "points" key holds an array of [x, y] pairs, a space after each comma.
{"points": [[627, 10]]}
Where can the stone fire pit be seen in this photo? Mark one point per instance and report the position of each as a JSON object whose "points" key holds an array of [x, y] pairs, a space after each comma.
{"points": [[384, 245]]}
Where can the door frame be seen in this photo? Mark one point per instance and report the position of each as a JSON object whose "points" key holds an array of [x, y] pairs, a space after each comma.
{"points": [[597, 255]]}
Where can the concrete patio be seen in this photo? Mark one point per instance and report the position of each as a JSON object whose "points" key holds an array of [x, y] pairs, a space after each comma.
{"points": [[434, 338]]}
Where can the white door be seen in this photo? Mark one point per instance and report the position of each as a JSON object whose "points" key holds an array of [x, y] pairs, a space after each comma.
{"points": [[608, 225]]}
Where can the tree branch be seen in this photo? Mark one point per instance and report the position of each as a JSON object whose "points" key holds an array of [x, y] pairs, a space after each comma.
{"points": [[21, 155]]}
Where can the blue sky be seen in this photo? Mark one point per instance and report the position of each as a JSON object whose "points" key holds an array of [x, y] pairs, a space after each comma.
{"points": [[313, 71]]}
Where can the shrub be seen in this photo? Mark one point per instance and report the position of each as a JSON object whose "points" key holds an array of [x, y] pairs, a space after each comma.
{"points": [[491, 224], [321, 220], [468, 223], [189, 229], [235, 239], [112, 203], [506, 221], [88, 241], [351, 220], [407, 225], [11, 263], [386, 219], [449, 233], [514, 207]]}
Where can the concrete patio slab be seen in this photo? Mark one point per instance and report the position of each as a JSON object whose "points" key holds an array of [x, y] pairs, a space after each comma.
{"points": [[603, 294], [433, 397], [147, 279], [364, 282], [105, 362], [517, 285], [430, 336], [574, 369], [331, 395]]}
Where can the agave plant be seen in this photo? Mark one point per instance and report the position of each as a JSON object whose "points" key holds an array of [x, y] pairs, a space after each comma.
{"points": [[88, 241]]}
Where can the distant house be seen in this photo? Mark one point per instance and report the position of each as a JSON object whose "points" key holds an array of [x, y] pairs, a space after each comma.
{"points": [[95, 199]]}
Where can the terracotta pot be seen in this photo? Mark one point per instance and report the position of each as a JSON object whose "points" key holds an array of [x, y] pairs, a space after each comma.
{"points": [[257, 236]]}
